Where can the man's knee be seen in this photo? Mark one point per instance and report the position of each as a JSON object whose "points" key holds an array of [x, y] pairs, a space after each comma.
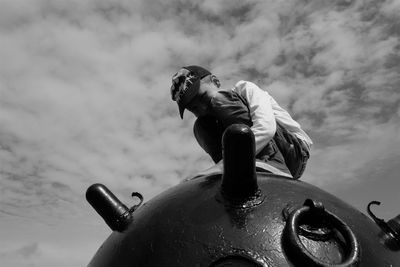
{"points": [[208, 134]]}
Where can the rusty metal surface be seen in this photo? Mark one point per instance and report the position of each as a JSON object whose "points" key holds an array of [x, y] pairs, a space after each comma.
{"points": [[240, 218], [188, 226]]}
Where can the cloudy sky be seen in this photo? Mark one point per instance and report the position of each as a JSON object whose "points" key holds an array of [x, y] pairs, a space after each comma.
{"points": [[84, 98]]}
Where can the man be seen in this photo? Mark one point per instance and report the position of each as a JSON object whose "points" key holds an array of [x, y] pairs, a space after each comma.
{"points": [[279, 139]]}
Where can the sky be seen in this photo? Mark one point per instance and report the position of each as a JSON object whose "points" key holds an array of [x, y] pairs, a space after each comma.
{"points": [[84, 98]]}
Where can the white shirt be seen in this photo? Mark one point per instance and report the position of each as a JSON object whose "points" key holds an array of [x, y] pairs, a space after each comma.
{"points": [[265, 112]]}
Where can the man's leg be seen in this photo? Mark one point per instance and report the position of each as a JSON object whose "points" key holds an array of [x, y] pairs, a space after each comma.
{"points": [[273, 156], [208, 134], [305, 155], [293, 150]]}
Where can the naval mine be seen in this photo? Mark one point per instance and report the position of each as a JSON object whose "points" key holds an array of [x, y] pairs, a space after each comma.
{"points": [[242, 214]]}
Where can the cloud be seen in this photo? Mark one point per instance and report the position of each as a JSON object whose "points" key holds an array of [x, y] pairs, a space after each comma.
{"points": [[42, 255], [84, 92]]}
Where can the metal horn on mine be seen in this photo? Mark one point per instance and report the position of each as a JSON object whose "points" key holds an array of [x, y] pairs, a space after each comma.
{"points": [[239, 180]]}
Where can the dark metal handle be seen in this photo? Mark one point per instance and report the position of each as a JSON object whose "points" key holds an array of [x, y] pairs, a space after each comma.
{"points": [[380, 222], [391, 228], [292, 239], [140, 197]]}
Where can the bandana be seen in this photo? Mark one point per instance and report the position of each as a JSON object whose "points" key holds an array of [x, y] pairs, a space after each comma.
{"points": [[185, 85]]}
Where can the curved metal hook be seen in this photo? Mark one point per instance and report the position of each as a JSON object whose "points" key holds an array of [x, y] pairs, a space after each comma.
{"points": [[380, 222], [385, 226], [140, 197], [376, 219]]}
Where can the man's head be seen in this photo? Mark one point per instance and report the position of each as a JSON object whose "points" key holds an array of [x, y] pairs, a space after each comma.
{"points": [[192, 87]]}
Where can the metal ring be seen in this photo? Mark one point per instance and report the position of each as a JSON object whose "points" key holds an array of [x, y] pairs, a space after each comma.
{"points": [[295, 246]]}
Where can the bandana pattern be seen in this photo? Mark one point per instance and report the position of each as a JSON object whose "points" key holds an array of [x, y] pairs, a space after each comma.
{"points": [[181, 82]]}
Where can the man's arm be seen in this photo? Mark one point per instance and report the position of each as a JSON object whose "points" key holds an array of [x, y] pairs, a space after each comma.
{"points": [[228, 108], [225, 108], [264, 124]]}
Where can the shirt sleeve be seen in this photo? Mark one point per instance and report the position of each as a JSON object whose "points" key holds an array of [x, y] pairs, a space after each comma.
{"points": [[262, 115]]}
